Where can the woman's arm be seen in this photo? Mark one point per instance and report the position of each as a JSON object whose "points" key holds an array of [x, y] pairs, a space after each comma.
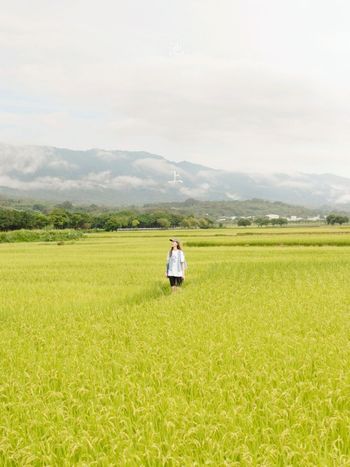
{"points": [[167, 266], [183, 264]]}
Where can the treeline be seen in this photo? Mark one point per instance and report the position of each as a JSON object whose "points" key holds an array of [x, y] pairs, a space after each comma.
{"points": [[333, 219], [262, 221], [239, 208], [60, 218], [69, 218], [189, 207], [40, 236]]}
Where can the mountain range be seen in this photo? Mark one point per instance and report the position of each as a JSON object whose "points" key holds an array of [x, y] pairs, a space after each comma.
{"points": [[115, 177]]}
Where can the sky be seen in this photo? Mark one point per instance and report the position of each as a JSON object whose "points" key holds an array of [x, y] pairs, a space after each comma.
{"points": [[247, 85]]}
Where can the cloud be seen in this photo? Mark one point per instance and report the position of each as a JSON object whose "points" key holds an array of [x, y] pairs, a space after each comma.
{"points": [[233, 196], [340, 193], [250, 95], [42, 183], [196, 192], [107, 180], [124, 181], [159, 166], [297, 184], [208, 174], [24, 160], [27, 160], [61, 164], [92, 181], [244, 116], [343, 199], [109, 155]]}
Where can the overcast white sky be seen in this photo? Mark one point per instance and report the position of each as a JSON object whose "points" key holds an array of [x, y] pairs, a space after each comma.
{"points": [[257, 85]]}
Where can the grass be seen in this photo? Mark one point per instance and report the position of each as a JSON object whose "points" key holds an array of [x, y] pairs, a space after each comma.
{"points": [[40, 235], [101, 365], [286, 238]]}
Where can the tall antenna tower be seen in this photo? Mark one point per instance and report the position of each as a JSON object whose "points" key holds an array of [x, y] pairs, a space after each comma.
{"points": [[176, 178]]}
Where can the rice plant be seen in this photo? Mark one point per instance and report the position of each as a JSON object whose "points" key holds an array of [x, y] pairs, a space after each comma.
{"points": [[247, 365]]}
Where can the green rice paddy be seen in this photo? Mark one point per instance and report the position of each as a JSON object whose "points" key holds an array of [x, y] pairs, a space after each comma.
{"points": [[249, 364]]}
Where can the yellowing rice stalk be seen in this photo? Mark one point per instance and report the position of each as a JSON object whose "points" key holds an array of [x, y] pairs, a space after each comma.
{"points": [[247, 365]]}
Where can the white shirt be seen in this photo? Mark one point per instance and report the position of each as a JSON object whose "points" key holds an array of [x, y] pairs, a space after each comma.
{"points": [[174, 263]]}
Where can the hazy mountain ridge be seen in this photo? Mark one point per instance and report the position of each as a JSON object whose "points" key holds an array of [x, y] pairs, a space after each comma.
{"points": [[125, 177]]}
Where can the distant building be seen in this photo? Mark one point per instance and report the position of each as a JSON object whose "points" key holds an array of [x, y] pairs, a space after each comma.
{"points": [[226, 218], [272, 216]]}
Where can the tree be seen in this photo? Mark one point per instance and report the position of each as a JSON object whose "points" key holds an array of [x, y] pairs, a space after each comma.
{"points": [[59, 218], [6, 219], [66, 205], [203, 223], [80, 220], [163, 222], [243, 222], [330, 219], [279, 221], [112, 223], [333, 219], [260, 221], [38, 207], [189, 222], [99, 222], [135, 223], [342, 220], [41, 221], [116, 222]]}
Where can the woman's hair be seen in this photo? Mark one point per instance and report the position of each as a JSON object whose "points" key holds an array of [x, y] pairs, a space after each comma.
{"points": [[178, 247]]}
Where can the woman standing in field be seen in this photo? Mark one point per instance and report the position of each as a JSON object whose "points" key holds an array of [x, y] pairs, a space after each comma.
{"points": [[175, 265]]}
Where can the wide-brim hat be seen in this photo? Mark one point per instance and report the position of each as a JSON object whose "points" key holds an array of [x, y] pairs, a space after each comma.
{"points": [[174, 240]]}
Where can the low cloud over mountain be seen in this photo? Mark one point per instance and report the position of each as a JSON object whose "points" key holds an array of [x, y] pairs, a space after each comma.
{"points": [[120, 177]]}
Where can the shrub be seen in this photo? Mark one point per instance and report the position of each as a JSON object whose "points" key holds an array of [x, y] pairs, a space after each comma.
{"points": [[39, 236]]}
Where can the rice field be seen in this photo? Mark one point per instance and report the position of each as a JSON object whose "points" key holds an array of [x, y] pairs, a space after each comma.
{"points": [[247, 365]]}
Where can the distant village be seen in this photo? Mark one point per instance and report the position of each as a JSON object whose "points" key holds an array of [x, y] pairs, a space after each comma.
{"points": [[272, 218]]}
